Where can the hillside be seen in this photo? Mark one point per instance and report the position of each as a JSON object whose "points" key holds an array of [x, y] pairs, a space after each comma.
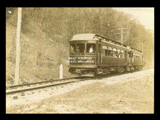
{"points": [[40, 55]]}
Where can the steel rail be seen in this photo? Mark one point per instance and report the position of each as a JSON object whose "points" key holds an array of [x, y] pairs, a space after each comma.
{"points": [[55, 84], [28, 84], [37, 87], [50, 85]]}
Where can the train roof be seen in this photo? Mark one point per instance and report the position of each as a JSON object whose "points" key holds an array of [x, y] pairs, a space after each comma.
{"points": [[91, 36], [88, 36]]}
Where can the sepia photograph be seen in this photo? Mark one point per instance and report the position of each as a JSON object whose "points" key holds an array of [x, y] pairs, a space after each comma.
{"points": [[79, 60]]}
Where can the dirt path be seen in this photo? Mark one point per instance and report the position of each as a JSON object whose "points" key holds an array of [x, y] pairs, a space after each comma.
{"points": [[128, 93]]}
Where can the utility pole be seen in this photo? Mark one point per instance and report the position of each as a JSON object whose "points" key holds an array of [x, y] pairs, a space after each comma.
{"points": [[99, 22], [121, 29], [18, 45]]}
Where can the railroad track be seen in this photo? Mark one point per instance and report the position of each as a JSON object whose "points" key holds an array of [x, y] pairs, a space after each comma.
{"points": [[13, 89]]}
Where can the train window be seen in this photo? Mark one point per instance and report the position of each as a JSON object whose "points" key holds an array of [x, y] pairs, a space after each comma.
{"points": [[72, 48], [134, 57], [121, 54], [141, 58], [106, 52], [130, 53], [91, 48], [80, 48], [118, 53], [115, 53], [126, 54], [137, 57], [109, 51]]}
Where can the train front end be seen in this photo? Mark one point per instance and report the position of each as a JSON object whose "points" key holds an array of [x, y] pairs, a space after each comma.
{"points": [[83, 54]]}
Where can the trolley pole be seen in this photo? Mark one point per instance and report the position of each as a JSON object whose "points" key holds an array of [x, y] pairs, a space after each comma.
{"points": [[18, 45]]}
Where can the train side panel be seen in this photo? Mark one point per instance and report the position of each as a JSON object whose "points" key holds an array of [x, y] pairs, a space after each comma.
{"points": [[111, 60]]}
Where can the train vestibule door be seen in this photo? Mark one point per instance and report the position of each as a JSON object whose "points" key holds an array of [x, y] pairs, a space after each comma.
{"points": [[129, 57]]}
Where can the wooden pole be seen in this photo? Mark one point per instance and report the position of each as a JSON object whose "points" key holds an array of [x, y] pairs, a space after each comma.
{"points": [[18, 46]]}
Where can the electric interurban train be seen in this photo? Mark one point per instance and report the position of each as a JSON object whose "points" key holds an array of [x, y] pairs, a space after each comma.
{"points": [[94, 54]]}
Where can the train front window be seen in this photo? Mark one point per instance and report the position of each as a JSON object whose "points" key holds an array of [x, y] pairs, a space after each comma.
{"points": [[72, 48], [91, 48], [80, 48]]}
